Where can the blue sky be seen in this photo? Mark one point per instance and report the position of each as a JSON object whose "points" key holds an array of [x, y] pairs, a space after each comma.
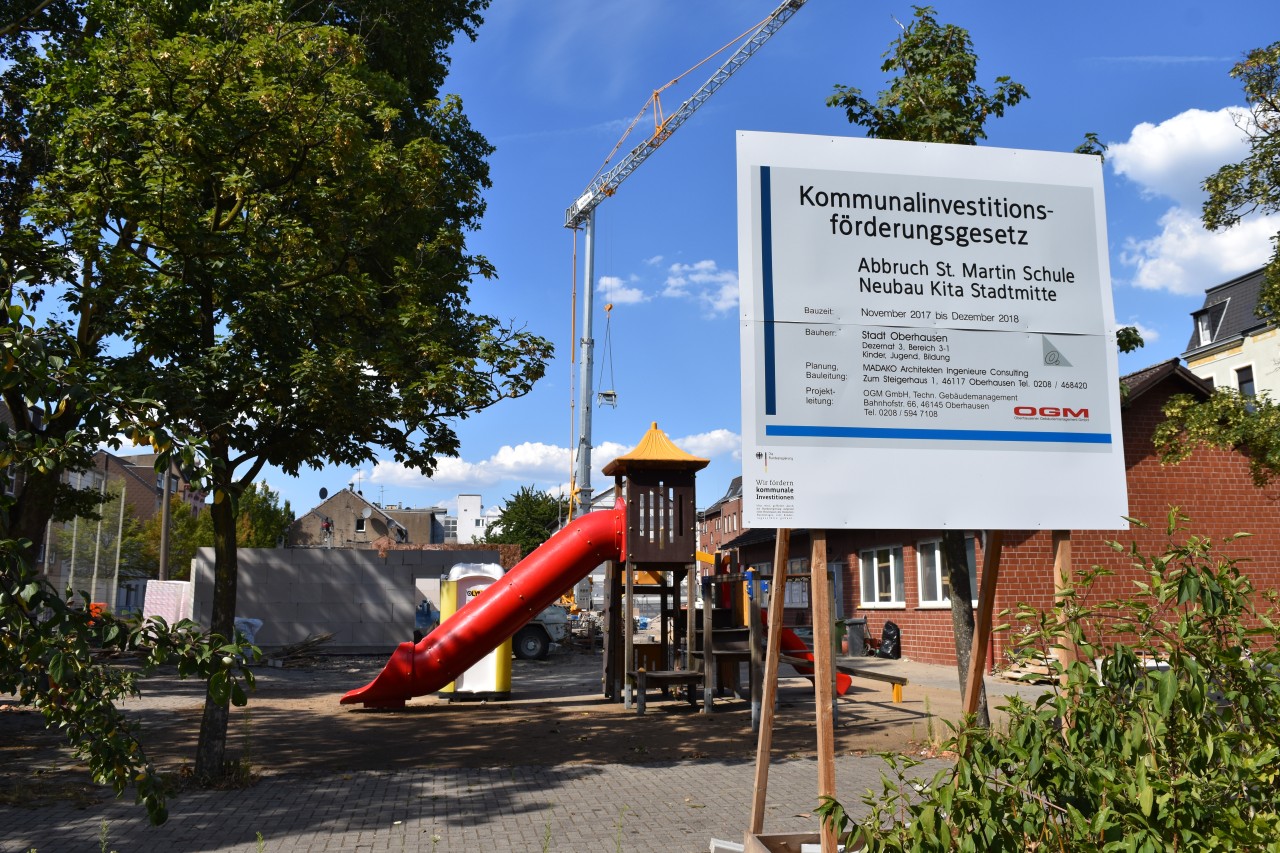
{"points": [[552, 84]]}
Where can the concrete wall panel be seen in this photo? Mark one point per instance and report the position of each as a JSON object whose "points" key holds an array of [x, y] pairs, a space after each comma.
{"points": [[367, 602]]}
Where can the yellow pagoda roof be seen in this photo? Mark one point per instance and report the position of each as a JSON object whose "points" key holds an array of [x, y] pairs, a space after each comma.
{"points": [[655, 450]]}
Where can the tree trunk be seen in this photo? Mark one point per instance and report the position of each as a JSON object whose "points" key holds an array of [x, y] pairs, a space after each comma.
{"points": [[955, 562], [212, 747]]}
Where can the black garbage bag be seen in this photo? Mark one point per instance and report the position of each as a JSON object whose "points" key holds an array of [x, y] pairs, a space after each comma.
{"points": [[890, 642]]}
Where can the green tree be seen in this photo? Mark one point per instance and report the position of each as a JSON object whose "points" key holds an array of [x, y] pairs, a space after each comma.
{"points": [[529, 517], [1228, 420], [263, 520], [935, 98], [292, 196], [47, 640], [189, 530]]}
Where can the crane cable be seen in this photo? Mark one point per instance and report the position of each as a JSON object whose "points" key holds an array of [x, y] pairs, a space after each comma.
{"points": [[608, 357]]}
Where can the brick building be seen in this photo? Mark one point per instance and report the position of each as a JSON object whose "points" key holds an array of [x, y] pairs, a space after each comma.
{"points": [[895, 575], [722, 521]]}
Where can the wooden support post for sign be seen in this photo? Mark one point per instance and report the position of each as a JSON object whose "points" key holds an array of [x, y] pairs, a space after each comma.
{"points": [[756, 647], [823, 677], [982, 627], [1065, 650], [773, 647]]}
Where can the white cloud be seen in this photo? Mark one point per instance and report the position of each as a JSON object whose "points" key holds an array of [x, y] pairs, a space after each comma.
{"points": [[529, 461], [654, 261], [1171, 160], [713, 443], [1184, 258], [1149, 334], [705, 282], [619, 292], [545, 466]]}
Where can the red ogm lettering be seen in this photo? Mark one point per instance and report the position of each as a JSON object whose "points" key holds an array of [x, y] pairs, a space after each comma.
{"points": [[1049, 412]]}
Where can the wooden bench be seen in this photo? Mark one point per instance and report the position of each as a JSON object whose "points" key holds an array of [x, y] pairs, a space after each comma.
{"points": [[664, 678], [858, 672]]}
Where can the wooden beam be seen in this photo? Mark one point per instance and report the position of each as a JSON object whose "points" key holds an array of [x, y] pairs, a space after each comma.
{"points": [[691, 622], [628, 633], [773, 647], [982, 627], [1065, 650], [823, 676]]}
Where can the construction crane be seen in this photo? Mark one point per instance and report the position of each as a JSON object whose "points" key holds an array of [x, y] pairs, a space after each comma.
{"points": [[582, 213]]}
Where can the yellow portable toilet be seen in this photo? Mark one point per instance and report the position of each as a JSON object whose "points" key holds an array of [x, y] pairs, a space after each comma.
{"points": [[489, 677]]}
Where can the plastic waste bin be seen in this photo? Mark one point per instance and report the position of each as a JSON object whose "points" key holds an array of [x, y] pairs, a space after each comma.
{"points": [[491, 675], [856, 631]]}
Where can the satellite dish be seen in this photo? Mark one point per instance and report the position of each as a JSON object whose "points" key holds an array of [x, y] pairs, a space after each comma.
{"points": [[367, 512], [324, 493]]}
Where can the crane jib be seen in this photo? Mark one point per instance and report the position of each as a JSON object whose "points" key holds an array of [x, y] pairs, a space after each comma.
{"points": [[608, 183]]}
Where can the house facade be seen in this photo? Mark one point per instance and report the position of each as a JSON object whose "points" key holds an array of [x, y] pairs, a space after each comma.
{"points": [[1230, 346], [722, 521], [349, 520], [895, 575]]}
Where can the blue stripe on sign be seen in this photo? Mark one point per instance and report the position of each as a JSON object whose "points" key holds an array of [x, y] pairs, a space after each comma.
{"points": [[766, 267], [937, 434]]}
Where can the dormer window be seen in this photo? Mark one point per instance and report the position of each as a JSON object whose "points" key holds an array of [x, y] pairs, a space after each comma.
{"points": [[1204, 331], [1208, 321]]}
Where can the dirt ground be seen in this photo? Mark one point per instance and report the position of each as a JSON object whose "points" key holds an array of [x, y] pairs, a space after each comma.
{"points": [[556, 715]]}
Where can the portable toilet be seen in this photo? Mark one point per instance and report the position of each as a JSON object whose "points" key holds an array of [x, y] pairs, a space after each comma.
{"points": [[489, 677]]}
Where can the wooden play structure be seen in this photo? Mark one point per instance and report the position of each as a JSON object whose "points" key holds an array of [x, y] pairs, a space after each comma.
{"points": [[655, 483]]}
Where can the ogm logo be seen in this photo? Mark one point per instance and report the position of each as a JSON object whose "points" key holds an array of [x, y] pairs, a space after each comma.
{"points": [[1059, 412]]}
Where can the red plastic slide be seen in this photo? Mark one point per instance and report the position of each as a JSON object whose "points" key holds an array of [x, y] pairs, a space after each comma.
{"points": [[498, 612], [794, 647]]}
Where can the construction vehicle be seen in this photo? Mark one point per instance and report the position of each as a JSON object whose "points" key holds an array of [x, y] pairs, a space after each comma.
{"points": [[533, 641]]}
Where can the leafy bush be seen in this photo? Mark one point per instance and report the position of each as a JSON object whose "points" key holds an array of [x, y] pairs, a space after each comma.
{"points": [[1166, 741], [52, 657]]}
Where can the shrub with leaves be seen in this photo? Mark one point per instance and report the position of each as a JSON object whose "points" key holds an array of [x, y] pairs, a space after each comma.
{"points": [[53, 658], [1165, 741]]}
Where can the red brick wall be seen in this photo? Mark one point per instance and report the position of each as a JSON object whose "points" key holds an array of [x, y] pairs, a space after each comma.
{"points": [[1213, 488]]}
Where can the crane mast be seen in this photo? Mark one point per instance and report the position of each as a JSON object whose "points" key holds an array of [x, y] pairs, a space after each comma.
{"points": [[581, 214]]}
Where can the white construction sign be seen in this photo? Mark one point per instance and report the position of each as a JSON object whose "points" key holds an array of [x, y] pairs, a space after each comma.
{"points": [[927, 337]]}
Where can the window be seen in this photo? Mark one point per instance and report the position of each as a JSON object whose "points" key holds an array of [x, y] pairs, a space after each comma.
{"points": [[1244, 381], [935, 586], [882, 584], [360, 525], [9, 480], [1204, 329], [797, 593]]}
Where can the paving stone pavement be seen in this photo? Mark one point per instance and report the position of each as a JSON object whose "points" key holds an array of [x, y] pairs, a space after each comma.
{"points": [[670, 808]]}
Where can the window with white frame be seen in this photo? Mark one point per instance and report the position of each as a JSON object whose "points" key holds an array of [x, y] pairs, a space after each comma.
{"points": [[935, 585], [882, 581], [9, 480], [798, 582], [360, 526]]}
